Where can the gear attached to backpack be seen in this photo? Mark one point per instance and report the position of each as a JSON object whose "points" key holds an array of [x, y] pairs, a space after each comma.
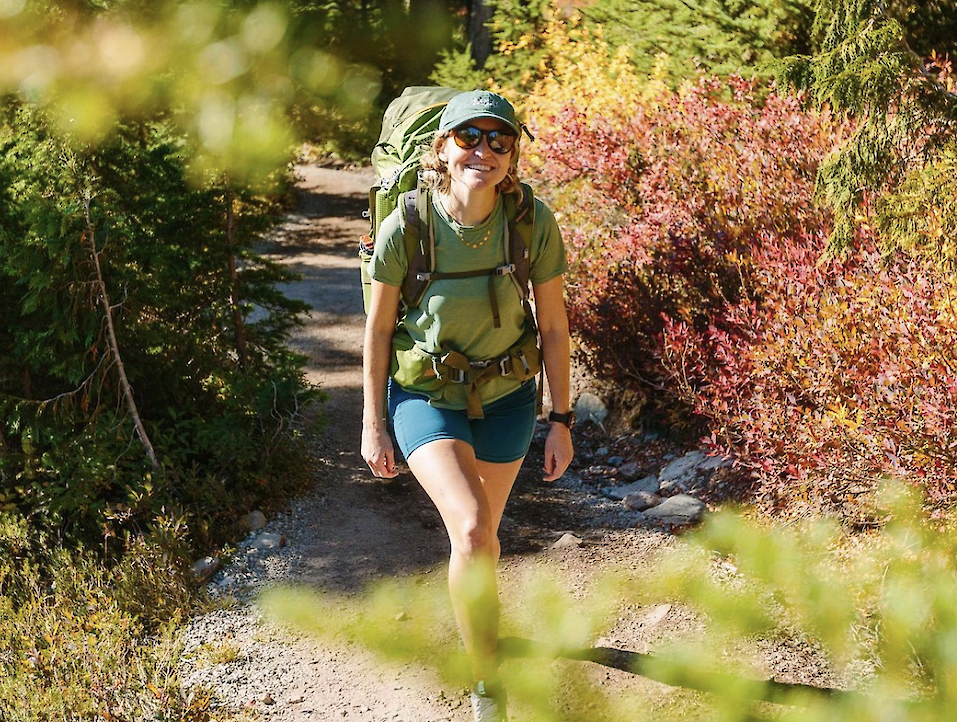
{"points": [[408, 128]]}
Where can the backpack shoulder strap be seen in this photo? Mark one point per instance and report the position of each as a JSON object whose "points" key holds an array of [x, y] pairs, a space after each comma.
{"points": [[419, 238], [520, 215]]}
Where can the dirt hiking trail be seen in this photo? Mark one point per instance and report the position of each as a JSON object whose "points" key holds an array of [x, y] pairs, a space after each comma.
{"points": [[352, 530]]}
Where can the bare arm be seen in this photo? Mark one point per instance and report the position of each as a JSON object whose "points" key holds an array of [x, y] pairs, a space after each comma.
{"points": [[556, 350], [377, 449]]}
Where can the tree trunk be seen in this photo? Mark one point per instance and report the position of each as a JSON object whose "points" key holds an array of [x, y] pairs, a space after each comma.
{"points": [[480, 40]]}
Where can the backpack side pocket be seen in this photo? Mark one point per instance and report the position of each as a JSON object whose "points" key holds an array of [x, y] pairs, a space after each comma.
{"points": [[412, 368]]}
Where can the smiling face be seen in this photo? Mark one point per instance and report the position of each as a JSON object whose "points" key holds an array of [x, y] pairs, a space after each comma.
{"points": [[478, 168]]}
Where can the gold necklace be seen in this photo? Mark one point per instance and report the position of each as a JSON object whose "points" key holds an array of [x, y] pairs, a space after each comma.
{"points": [[478, 244], [457, 228]]}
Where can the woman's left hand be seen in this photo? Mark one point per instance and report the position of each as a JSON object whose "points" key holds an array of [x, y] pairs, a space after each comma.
{"points": [[558, 451], [378, 452]]}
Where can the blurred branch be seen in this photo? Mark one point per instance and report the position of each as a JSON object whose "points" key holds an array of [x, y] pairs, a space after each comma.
{"points": [[641, 664]]}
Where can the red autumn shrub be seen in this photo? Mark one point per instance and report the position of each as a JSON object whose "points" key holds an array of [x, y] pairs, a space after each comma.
{"points": [[665, 204], [697, 278], [843, 375]]}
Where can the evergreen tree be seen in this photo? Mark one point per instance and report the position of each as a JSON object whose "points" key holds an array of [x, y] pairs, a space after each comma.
{"points": [[717, 36], [721, 37], [518, 58], [877, 65]]}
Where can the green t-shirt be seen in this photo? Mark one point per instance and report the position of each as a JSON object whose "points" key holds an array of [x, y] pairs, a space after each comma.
{"points": [[456, 314]]}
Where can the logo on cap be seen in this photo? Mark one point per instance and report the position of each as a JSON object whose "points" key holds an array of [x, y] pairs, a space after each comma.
{"points": [[483, 101]]}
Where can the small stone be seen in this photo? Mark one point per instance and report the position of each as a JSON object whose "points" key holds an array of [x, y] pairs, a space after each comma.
{"points": [[269, 541], [629, 471], [401, 617], [253, 521], [590, 408], [267, 699], [205, 568], [567, 540], [683, 466], [655, 617], [618, 493], [674, 486], [641, 500], [680, 509]]}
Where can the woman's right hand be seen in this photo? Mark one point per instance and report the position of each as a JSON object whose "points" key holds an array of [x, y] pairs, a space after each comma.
{"points": [[378, 452], [376, 447]]}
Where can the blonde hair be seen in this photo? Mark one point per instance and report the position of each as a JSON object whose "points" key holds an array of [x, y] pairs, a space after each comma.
{"points": [[435, 171]]}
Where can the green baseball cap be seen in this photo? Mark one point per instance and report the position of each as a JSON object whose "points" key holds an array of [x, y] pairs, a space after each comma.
{"points": [[478, 104]]}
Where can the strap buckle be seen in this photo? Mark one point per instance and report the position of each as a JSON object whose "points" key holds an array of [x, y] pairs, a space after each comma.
{"points": [[521, 357], [506, 269], [447, 372]]}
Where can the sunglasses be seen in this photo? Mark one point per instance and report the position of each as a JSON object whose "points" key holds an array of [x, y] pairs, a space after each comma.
{"points": [[499, 141]]}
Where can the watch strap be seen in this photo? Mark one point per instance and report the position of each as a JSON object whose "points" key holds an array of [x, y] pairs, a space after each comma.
{"points": [[566, 419]]}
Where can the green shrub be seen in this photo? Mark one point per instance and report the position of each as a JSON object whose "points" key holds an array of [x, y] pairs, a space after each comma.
{"points": [[670, 40], [73, 649], [216, 396], [520, 54]]}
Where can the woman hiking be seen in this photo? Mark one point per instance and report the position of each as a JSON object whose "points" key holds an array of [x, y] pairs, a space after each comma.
{"points": [[455, 378]]}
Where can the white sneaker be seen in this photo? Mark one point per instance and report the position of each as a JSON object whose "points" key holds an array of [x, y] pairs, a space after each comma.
{"points": [[488, 704]]}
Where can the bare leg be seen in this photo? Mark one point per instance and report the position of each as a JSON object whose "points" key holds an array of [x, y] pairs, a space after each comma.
{"points": [[470, 496]]}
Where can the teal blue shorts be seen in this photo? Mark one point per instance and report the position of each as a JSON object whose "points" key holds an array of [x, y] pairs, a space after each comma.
{"points": [[503, 436]]}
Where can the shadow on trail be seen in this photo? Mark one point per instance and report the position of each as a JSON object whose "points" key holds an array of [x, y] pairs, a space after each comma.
{"points": [[334, 242], [361, 530], [318, 204]]}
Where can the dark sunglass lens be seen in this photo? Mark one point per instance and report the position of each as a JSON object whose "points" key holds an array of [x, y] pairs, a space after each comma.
{"points": [[500, 142], [467, 137]]}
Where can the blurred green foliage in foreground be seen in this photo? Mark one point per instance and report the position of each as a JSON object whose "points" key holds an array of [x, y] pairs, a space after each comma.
{"points": [[231, 77], [873, 619]]}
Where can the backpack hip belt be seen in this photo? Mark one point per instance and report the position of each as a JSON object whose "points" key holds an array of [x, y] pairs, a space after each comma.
{"points": [[522, 362], [417, 370], [459, 371]]}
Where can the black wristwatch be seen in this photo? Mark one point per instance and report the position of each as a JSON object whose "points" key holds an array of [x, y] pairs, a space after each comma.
{"points": [[567, 419]]}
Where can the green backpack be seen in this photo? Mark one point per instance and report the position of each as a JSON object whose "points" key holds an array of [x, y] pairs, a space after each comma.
{"points": [[408, 127]]}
